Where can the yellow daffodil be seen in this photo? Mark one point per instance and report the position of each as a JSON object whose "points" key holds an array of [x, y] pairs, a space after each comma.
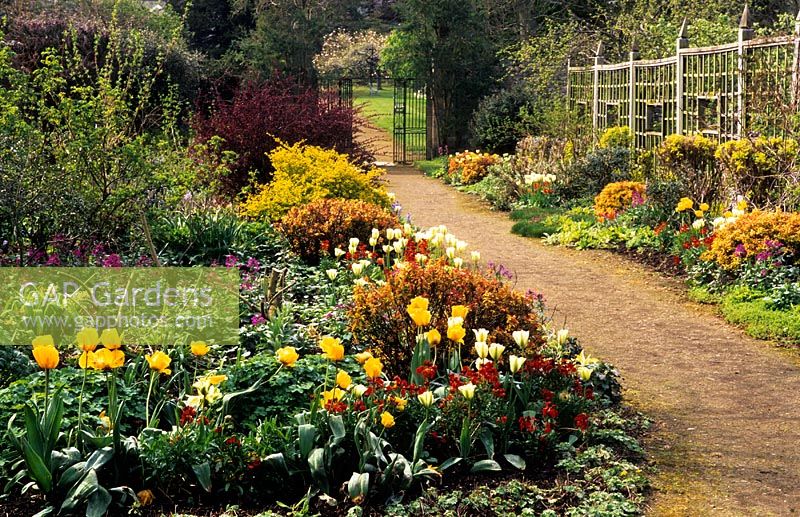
{"points": [[373, 367], [106, 359], [159, 362], [88, 339], [467, 390], [482, 349], [459, 311], [515, 363], [496, 351], [343, 380], [111, 339], [287, 355], [456, 333], [332, 348], [46, 355], [199, 348], [363, 356], [434, 337], [426, 398], [387, 420]]}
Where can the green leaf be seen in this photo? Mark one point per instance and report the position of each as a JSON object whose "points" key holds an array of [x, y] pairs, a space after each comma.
{"points": [[486, 466], [516, 461], [358, 486], [277, 462], [203, 474], [337, 428], [316, 462], [98, 503], [81, 491], [449, 463], [487, 439], [99, 458], [33, 431], [419, 440], [37, 469], [306, 433]]}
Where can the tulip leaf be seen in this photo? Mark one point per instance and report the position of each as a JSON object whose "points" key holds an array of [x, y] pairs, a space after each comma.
{"points": [[203, 474], [306, 433], [419, 440], [72, 475], [99, 458], [358, 486], [337, 428], [316, 461], [98, 503], [80, 491], [516, 461], [449, 463], [38, 469], [277, 462], [33, 431], [487, 439], [486, 466]]}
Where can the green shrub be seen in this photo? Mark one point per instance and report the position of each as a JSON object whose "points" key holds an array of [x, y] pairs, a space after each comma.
{"points": [[689, 161], [586, 177], [618, 136], [497, 124]]}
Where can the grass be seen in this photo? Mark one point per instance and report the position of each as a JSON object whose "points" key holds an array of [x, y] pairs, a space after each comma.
{"points": [[430, 167], [535, 221], [378, 107]]}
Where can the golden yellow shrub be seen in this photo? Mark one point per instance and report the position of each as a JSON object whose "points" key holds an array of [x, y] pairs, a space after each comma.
{"points": [[747, 236], [618, 196], [304, 173]]}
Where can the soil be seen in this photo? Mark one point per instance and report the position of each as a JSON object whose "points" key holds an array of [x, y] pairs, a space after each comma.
{"points": [[725, 406]]}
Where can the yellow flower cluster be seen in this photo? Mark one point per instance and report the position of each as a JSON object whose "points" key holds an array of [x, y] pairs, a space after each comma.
{"points": [[616, 197], [470, 167], [307, 173], [747, 236]]}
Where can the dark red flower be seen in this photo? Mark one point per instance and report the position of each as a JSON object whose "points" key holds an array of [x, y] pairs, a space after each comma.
{"points": [[582, 421]]}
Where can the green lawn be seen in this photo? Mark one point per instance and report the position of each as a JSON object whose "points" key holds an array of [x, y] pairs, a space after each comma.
{"points": [[379, 106]]}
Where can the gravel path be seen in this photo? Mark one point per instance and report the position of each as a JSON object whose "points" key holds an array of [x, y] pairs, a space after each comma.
{"points": [[727, 430]]}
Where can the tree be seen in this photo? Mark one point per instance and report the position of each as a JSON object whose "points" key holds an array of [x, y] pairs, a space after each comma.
{"points": [[351, 54]]}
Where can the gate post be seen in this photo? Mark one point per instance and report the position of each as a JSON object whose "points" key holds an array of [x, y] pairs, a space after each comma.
{"points": [[598, 60], [634, 56], [745, 34], [680, 75]]}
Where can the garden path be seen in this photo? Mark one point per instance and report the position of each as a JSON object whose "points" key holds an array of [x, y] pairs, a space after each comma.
{"points": [[726, 437]]}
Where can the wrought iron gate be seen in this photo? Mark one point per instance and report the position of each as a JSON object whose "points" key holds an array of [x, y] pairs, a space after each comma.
{"points": [[410, 135]]}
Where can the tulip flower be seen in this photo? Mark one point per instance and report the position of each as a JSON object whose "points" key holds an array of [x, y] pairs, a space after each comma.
{"points": [[43, 341], [420, 317], [373, 367], [338, 252], [421, 258], [332, 348], [521, 337], [459, 311], [199, 348], [334, 394], [481, 335], [482, 349], [584, 373], [111, 339], [88, 339], [387, 420], [458, 262], [418, 302], [107, 359], [515, 363], [475, 256], [332, 273], [358, 390], [496, 350], [450, 252], [561, 336], [357, 268], [287, 356], [425, 398], [145, 497], [86, 360], [481, 362], [363, 356], [456, 333], [467, 390], [45, 353], [343, 380], [434, 337], [159, 362]]}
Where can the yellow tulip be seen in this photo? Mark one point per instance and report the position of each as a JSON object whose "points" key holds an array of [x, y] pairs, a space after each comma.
{"points": [[88, 339], [216, 379], [496, 350], [482, 349], [515, 363], [434, 337], [159, 362], [373, 367], [467, 390], [332, 394], [110, 339], [287, 355], [199, 348], [46, 356], [400, 403], [459, 311], [418, 303], [704, 207], [105, 359], [343, 380], [585, 373], [456, 333], [146, 497], [420, 317], [387, 420], [43, 341], [684, 204], [86, 360], [425, 398], [698, 213], [363, 356], [332, 348]]}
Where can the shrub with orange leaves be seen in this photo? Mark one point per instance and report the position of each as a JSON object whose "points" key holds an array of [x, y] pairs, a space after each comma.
{"points": [[469, 167], [749, 234], [333, 221], [379, 318], [616, 197]]}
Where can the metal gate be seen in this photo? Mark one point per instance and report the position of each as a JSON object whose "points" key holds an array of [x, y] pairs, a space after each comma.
{"points": [[410, 135]]}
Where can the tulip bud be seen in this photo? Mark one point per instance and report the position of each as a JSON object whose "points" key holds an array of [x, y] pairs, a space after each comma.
{"points": [[481, 335], [458, 262], [476, 256], [332, 273], [425, 398], [467, 390], [521, 337], [482, 349], [515, 363], [561, 336], [496, 350]]}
